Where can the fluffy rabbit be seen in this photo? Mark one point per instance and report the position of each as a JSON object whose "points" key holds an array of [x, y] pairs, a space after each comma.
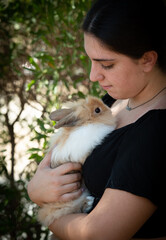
{"points": [[82, 126]]}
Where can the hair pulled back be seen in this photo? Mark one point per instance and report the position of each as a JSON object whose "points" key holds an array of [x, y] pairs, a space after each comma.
{"points": [[130, 27]]}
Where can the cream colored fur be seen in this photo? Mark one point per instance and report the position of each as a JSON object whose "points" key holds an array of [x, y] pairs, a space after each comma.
{"points": [[82, 127]]}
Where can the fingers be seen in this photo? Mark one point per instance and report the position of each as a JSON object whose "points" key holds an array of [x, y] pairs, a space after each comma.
{"points": [[57, 184], [69, 167], [69, 185], [62, 169], [71, 196], [69, 188], [70, 178]]}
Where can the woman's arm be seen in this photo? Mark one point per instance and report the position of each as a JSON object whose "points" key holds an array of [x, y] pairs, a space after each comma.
{"points": [[118, 216], [51, 185]]}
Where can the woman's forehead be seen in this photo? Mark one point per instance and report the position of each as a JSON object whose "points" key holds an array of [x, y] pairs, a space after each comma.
{"points": [[95, 49]]}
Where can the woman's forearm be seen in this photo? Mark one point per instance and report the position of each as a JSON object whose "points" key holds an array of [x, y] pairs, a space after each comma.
{"points": [[118, 215], [70, 227]]}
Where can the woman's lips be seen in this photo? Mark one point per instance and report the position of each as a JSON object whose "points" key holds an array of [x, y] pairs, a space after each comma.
{"points": [[106, 87]]}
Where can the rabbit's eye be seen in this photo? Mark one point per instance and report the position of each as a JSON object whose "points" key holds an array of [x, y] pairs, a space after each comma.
{"points": [[97, 110]]}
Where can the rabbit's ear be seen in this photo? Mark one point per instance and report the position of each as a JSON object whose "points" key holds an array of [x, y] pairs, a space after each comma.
{"points": [[59, 114], [69, 121], [65, 118]]}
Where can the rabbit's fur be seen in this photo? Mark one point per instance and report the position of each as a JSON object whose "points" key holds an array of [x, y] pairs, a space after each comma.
{"points": [[82, 126]]}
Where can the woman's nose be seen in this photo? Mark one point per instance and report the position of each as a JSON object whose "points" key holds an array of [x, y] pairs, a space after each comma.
{"points": [[95, 75]]}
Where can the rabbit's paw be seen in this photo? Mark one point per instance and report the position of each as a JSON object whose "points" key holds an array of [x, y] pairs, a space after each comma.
{"points": [[88, 204]]}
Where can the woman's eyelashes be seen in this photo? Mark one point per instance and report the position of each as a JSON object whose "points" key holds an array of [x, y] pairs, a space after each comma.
{"points": [[107, 66]]}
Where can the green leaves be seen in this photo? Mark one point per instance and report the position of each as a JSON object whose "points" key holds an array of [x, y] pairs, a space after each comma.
{"points": [[43, 65], [30, 85]]}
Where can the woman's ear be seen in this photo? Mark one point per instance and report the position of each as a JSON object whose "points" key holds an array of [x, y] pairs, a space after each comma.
{"points": [[149, 60]]}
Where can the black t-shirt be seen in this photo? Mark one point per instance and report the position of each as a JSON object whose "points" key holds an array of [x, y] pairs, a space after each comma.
{"points": [[133, 158]]}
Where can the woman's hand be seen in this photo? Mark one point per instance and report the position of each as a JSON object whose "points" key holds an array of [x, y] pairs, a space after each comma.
{"points": [[52, 185]]}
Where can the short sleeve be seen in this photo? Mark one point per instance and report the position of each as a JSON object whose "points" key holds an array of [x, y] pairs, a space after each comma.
{"points": [[140, 165]]}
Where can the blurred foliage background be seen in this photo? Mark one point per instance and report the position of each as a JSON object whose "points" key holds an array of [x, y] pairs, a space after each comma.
{"points": [[42, 65]]}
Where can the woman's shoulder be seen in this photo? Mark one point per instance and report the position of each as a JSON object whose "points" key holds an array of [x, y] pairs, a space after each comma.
{"points": [[147, 132], [149, 128], [139, 117], [142, 153], [155, 119]]}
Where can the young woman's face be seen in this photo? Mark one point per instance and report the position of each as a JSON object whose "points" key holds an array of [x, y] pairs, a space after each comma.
{"points": [[121, 76]]}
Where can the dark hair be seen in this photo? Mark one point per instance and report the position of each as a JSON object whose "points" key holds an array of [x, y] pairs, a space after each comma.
{"points": [[130, 27]]}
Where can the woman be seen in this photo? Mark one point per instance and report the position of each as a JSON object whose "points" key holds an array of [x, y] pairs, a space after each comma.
{"points": [[126, 43]]}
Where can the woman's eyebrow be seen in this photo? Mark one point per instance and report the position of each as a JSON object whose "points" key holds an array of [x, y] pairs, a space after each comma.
{"points": [[103, 60]]}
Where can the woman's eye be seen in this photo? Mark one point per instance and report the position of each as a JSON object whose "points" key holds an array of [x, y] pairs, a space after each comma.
{"points": [[107, 67]]}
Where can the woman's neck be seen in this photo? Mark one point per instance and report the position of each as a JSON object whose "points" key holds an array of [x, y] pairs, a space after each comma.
{"points": [[153, 89]]}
